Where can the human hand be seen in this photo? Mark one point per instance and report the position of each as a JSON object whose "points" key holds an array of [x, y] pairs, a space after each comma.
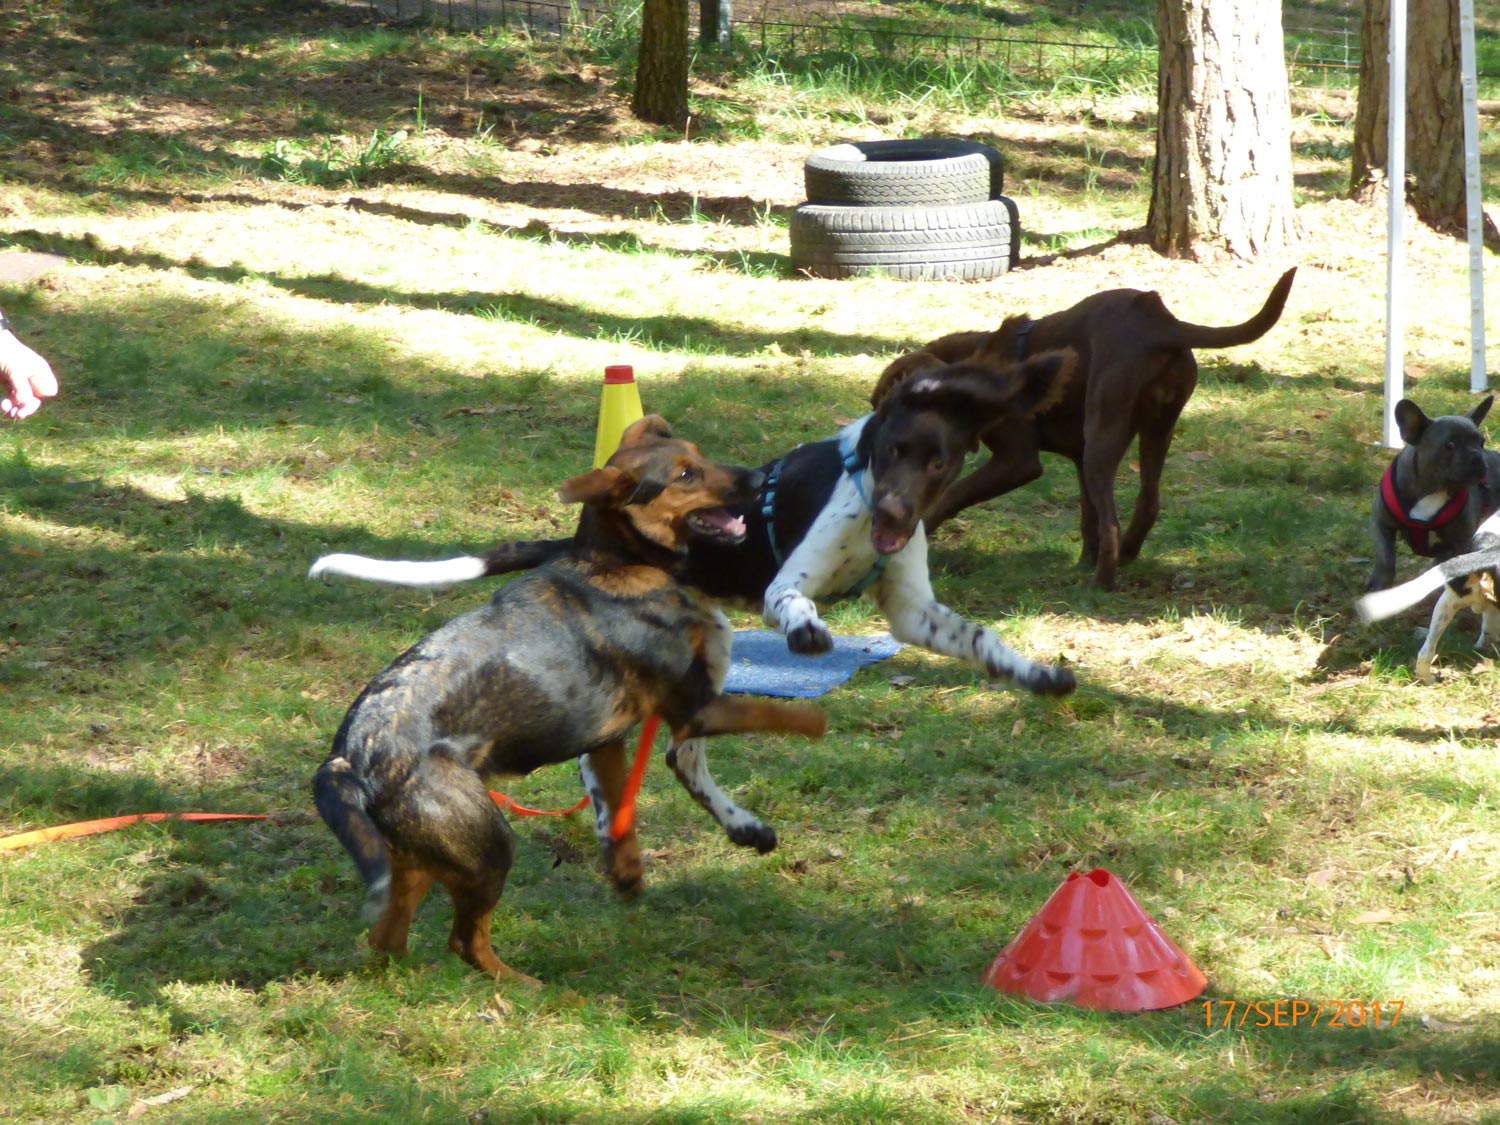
{"points": [[25, 375]]}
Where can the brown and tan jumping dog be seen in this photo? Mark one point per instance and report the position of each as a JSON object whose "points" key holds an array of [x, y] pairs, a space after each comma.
{"points": [[1136, 371], [561, 663]]}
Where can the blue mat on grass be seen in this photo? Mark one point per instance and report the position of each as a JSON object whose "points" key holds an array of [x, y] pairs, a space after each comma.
{"points": [[761, 664]]}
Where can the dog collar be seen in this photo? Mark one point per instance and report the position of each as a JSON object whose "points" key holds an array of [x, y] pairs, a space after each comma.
{"points": [[1021, 334], [768, 511], [849, 451], [1415, 530]]}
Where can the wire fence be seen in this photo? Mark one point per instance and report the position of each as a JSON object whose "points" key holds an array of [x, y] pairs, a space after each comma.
{"points": [[1326, 49]]}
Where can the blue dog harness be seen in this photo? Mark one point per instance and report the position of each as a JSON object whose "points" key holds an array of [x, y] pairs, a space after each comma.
{"points": [[768, 513]]}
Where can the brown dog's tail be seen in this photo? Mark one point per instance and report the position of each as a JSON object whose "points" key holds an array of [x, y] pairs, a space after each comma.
{"points": [[503, 559], [1203, 336], [342, 802]]}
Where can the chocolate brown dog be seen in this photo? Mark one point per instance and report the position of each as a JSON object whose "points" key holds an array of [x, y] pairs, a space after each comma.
{"points": [[1136, 372], [562, 662]]}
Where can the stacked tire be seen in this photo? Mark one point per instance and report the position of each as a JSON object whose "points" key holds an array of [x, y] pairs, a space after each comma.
{"points": [[918, 210]]}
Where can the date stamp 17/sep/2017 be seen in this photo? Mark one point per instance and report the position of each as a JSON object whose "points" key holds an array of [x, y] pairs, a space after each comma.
{"points": [[1302, 1013]]}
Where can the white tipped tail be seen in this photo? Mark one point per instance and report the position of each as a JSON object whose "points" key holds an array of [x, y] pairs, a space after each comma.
{"points": [[397, 572], [1387, 603]]}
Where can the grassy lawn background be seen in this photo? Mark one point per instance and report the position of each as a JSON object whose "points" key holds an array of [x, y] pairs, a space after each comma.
{"points": [[329, 286]]}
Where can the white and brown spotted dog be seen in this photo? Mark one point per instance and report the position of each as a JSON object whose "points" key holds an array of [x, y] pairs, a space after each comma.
{"points": [[835, 518], [1468, 581]]}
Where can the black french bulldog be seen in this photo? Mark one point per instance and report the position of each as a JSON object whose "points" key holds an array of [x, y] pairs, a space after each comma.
{"points": [[1439, 488]]}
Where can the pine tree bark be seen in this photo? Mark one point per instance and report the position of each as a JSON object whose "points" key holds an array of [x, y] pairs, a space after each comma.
{"points": [[1434, 114], [1223, 174], [661, 77]]}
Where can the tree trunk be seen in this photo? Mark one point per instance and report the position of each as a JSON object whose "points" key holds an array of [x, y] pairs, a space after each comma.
{"points": [[1373, 112], [661, 77], [1434, 113], [1223, 174]]}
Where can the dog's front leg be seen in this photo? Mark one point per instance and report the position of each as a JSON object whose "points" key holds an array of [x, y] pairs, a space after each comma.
{"points": [[1442, 616], [1383, 535], [792, 612], [604, 772], [904, 594], [835, 537], [689, 760]]}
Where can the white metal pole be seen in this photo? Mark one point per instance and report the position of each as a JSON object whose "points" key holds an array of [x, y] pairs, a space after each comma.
{"points": [[1478, 375], [1395, 182]]}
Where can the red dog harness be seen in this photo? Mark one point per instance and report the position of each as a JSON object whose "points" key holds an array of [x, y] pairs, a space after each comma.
{"points": [[1414, 529]]}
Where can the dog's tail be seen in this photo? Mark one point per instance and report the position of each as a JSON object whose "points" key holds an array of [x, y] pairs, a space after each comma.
{"points": [[442, 572], [1204, 336], [1386, 603], [343, 804]]}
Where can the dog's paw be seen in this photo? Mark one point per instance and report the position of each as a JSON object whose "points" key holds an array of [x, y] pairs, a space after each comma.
{"points": [[1054, 681], [810, 639], [761, 837]]}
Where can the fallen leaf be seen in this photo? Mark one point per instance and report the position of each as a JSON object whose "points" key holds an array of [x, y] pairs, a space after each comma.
{"points": [[1017, 727], [1323, 876], [1375, 918], [167, 1098]]}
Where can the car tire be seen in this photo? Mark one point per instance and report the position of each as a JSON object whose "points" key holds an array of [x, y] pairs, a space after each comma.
{"points": [[932, 172], [966, 242]]}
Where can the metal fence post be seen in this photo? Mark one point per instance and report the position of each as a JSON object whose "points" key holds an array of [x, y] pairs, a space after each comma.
{"points": [[713, 23]]}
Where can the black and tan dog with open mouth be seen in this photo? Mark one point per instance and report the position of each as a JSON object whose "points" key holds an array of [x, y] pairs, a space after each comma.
{"points": [[560, 664]]}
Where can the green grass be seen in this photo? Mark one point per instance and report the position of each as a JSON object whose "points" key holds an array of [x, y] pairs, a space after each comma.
{"points": [[269, 350]]}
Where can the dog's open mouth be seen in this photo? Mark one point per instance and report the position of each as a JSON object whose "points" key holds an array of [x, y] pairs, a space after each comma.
{"points": [[888, 541], [718, 524]]}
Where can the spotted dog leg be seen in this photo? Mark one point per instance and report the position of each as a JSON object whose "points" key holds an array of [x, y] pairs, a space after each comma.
{"points": [[689, 759], [904, 594]]}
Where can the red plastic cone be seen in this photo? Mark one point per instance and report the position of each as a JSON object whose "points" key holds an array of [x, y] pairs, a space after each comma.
{"points": [[1092, 944]]}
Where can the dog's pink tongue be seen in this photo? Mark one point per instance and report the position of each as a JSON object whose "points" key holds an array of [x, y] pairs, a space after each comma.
{"points": [[888, 542], [724, 521]]}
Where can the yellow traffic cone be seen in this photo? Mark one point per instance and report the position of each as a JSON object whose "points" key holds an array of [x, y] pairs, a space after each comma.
{"points": [[620, 406]]}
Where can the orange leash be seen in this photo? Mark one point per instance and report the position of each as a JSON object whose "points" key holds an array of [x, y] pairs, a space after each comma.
{"points": [[624, 815], [521, 810], [109, 824]]}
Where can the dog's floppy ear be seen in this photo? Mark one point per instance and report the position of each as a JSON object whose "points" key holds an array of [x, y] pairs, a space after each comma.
{"points": [[1477, 414], [596, 486], [900, 369], [951, 348], [1410, 421], [652, 425], [973, 393]]}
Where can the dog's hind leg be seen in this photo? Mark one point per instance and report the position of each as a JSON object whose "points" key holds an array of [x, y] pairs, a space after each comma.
{"points": [[604, 773], [689, 760], [444, 826], [1155, 441], [1103, 451], [409, 884], [904, 594]]}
